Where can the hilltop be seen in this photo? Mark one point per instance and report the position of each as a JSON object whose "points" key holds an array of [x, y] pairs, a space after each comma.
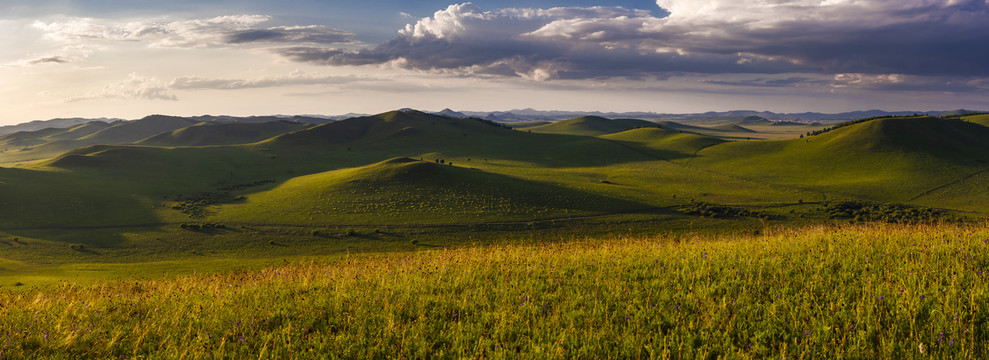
{"points": [[590, 126]]}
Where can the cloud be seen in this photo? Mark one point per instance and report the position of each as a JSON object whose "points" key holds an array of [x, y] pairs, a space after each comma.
{"points": [[135, 86], [49, 60], [902, 82], [786, 82], [219, 31], [296, 34], [296, 78], [931, 38]]}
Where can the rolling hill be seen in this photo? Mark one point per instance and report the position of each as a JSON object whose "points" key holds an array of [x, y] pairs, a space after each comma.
{"points": [[395, 169], [978, 119], [204, 134], [892, 159], [667, 144], [590, 126], [408, 191]]}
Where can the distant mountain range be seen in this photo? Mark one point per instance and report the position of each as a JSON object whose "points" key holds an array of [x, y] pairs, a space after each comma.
{"points": [[53, 123], [518, 115], [539, 115]]}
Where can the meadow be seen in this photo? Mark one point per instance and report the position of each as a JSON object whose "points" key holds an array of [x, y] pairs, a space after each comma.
{"points": [[412, 235], [824, 291]]}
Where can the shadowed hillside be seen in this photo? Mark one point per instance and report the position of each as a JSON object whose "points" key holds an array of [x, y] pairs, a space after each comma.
{"points": [[121, 132], [204, 134], [892, 159], [404, 190]]}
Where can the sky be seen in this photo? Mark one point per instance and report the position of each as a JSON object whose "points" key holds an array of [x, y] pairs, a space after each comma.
{"points": [[131, 58]]}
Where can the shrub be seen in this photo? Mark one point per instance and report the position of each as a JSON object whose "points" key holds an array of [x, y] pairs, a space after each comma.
{"points": [[888, 212], [721, 211]]}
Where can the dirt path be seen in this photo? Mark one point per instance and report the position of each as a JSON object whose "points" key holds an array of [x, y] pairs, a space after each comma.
{"points": [[928, 192]]}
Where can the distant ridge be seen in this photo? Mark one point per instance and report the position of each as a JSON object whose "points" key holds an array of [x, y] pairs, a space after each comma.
{"points": [[522, 115], [526, 115], [53, 123], [590, 126]]}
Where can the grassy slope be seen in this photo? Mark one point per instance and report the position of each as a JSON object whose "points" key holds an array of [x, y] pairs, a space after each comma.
{"points": [[614, 173], [853, 292], [729, 131], [122, 132], [590, 126], [665, 143], [404, 190], [872, 160], [977, 119], [223, 134]]}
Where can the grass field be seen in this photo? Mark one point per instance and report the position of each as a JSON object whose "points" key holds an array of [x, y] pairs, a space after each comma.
{"points": [[870, 291], [409, 235]]}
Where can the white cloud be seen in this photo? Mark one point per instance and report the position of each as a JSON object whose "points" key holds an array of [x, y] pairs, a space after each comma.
{"points": [[296, 78], [221, 31], [910, 83], [136, 86]]}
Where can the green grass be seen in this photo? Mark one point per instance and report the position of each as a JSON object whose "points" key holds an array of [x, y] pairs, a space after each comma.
{"points": [[407, 191], [665, 143], [223, 134], [978, 119], [48, 143], [821, 292], [871, 160], [126, 200], [590, 126]]}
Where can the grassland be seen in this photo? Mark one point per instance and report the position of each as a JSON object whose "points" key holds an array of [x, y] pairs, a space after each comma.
{"points": [[409, 235], [410, 173], [874, 291]]}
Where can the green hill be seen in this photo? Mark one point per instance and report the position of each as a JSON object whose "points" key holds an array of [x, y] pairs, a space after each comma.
{"points": [[371, 139], [705, 130], [403, 190], [80, 131], [526, 124], [667, 144], [977, 119], [339, 174], [131, 131], [405, 125], [121, 132], [733, 128], [893, 159], [37, 137], [223, 133], [753, 120], [590, 126]]}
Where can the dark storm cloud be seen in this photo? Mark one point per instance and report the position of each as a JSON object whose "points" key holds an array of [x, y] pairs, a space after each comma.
{"points": [[909, 37], [307, 34], [49, 60]]}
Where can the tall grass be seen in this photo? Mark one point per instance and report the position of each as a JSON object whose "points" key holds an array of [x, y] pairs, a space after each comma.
{"points": [[875, 291]]}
